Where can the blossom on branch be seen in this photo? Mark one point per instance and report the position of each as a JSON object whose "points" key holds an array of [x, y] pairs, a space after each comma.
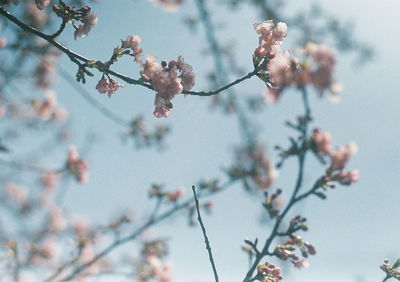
{"points": [[109, 86], [168, 80], [89, 21]]}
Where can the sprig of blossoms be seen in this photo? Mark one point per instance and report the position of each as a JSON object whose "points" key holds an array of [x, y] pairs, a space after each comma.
{"points": [[391, 271], [70, 14]]}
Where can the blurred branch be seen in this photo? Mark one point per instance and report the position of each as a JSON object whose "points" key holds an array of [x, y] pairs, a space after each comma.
{"points": [[121, 241]]}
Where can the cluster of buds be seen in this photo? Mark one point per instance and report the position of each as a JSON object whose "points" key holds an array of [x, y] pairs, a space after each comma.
{"points": [[115, 225], [296, 224], [151, 265], [158, 192], [212, 185], [71, 14], [286, 251], [77, 166], [143, 137], [321, 146], [391, 271], [272, 203], [251, 162], [268, 272]]}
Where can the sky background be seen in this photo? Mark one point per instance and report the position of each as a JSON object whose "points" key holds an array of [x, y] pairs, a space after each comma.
{"points": [[353, 230]]}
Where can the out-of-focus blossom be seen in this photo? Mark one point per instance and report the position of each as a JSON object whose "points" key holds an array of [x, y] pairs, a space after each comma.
{"points": [[323, 142], [45, 71], [302, 264], [45, 109], [279, 68], [34, 16], [49, 180], [3, 42], [168, 5], [77, 166], [41, 4], [174, 196], [340, 157], [58, 222], [348, 177], [19, 193], [89, 21]]}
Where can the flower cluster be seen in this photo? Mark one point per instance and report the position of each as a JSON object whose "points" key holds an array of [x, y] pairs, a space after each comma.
{"points": [[157, 191], [321, 145], [77, 166], [166, 81], [286, 250], [268, 272], [70, 14], [108, 85], [391, 271], [252, 162], [168, 5], [132, 42], [279, 70], [151, 266], [270, 39]]}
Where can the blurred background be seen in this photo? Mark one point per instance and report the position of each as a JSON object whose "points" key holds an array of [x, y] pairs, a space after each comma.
{"points": [[353, 230]]}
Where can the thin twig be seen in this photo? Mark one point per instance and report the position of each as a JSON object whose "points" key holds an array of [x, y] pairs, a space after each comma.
{"points": [[210, 256]]}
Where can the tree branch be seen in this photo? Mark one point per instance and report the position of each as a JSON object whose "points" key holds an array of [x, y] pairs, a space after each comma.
{"points": [[203, 229], [81, 60]]}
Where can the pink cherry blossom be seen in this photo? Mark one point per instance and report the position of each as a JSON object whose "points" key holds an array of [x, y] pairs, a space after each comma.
{"points": [[340, 157], [77, 166], [279, 69], [89, 21], [270, 39], [323, 141], [109, 86], [173, 197], [302, 264], [348, 177]]}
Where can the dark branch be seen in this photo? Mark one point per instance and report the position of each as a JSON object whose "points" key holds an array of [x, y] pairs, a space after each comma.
{"points": [[210, 256]]}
